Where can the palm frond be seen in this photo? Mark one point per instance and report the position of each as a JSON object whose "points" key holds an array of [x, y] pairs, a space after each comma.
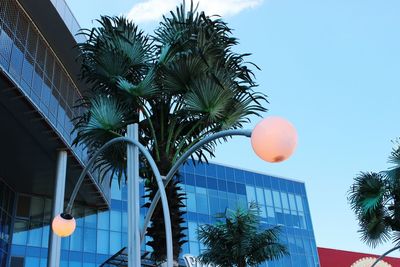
{"points": [[367, 192]]}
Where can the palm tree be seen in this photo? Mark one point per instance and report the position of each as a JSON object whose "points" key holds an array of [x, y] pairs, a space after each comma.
{"points": [[180, 85], [375, 199], [235, 240]]}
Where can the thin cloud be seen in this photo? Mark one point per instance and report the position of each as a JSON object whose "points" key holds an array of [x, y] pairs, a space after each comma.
{"points": [[152, 10]]}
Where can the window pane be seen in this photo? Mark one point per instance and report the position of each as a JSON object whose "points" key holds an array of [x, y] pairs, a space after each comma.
{"points": [[90, 240], [191, 202], [20, 235], [292, 203], [268, 197], [260, 196], [102, 241], [35, 234], [299, 203], [251, 195], [201, 204], [192, 231], [277, 201], [76, 239], [115, 242], [115, 220]]}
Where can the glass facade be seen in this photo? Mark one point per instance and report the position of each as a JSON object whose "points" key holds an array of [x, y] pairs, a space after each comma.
{"points": [[7, 199], [210, 189], [29, 61]]}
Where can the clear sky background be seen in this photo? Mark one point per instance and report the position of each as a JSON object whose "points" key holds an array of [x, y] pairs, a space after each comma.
{"points": [[332, 68]]}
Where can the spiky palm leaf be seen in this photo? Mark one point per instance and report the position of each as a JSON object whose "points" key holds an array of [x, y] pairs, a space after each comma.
{"points": [[375, 199], [186, 82], [235, 240]]}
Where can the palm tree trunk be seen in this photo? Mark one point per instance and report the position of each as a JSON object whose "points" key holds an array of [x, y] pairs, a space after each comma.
{"points": [[242, 262], [157, 229]]}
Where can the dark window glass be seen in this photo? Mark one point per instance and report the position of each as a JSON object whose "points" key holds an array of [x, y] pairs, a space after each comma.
{"points": [[190, 179], [22, 28], [231, 187], [36, 209], [49, 65], [258, 178], [211, 170], [241, 189], [17, 262], [212, 183], [221, 172], [221, 185], [11, 14], [41, 53], [230, 176], [249, 178], [23, 206], [239, 176]]}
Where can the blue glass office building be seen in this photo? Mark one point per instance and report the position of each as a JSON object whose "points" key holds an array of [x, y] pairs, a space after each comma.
{"points": [[210, 189], [38, 88]]}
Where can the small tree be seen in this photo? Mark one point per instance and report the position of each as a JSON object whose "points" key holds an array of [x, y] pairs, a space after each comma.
{"points": [[375, 199], [235, 240]]}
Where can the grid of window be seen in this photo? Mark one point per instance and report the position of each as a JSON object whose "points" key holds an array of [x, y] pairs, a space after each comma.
{"points": [[213, 188], [7, 198], [210, 189], [97, 237]]}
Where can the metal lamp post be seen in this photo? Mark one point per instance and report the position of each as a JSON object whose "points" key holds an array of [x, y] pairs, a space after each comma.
{"points": [[273, 139], [384, 255]]}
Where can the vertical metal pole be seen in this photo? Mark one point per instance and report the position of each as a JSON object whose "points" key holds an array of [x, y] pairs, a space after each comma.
{"points": [[134, 252], [54, 252]]}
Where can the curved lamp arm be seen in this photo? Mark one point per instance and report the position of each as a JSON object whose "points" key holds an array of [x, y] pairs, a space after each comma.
{"points": [[160, 192], [178, 164], [384, 255]]}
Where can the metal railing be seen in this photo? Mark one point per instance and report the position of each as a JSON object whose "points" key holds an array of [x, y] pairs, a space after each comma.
{"points": [[30, 62]]}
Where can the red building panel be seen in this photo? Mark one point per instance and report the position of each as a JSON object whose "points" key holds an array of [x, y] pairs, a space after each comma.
{"points": [[340, 258]]}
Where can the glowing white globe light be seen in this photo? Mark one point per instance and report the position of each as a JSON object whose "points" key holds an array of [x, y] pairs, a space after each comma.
{"points": [[63, 225], [274, 139]]}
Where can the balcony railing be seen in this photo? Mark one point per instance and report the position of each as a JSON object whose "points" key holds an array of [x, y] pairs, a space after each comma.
{"points": [[30, 62]]}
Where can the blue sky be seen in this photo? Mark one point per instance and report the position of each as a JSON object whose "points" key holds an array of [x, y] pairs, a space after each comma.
{"points": [[332, 68]]}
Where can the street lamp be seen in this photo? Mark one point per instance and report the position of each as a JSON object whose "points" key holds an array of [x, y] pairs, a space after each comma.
{"points": [[273, 139], [63, 225]]}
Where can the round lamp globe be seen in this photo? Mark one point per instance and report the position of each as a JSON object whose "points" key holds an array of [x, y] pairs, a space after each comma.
{"points": [[274, 139]]}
